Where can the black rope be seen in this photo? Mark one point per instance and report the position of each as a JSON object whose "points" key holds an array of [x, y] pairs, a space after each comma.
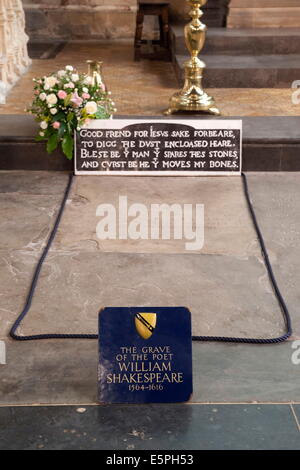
{"points": [[265, 255], [35, 281]]}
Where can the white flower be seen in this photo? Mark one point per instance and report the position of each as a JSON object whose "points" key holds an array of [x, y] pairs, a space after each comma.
{"points": [[43, 96], [43, 125], [51, 99], [42, 134], [69, 85], [61, 73], [75, 77], [69, 68], [53, 111], [91, 107], [85, 90], [50, 82], [88, 80]]}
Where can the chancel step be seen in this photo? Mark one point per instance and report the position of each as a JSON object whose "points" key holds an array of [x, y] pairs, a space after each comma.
{"points": [[259, 41], [265, 71], [269, 144], [243, 58]]}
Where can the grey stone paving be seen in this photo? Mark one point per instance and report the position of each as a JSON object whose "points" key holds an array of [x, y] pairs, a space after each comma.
{"points": [[227, 291], [277, 204], [64, 372], [159, 427], [227, 296], [228, 229]]}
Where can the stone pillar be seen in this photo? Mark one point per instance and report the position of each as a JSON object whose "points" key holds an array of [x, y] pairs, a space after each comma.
{"points": [[264, 14], [80, 19], [14, 60]]}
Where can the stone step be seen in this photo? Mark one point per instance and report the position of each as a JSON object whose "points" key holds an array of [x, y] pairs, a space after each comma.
{"points": [[259, 41], [45, 50], [264, 71], [215, 13], [264, 13], [269, 144]]}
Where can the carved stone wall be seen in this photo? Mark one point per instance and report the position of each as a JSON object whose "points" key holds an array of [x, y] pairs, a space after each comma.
{"points": [[14, 60], [264, 14], [80, 19]]}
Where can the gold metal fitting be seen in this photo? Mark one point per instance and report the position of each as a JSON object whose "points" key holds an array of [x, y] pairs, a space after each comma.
{"points": [[95, 72], [192, 97]]}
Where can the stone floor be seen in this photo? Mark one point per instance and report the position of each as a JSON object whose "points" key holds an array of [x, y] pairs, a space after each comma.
{"points": [[155, 428], [227, 278], [244, 395], [99, 273], [144, 88]]}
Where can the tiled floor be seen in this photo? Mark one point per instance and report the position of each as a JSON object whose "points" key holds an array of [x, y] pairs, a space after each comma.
{"points": [[144, 88], [151, 427]]}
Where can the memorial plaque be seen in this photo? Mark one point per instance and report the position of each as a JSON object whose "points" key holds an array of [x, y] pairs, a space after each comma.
{"points": [[159, 147], [145, 355]]}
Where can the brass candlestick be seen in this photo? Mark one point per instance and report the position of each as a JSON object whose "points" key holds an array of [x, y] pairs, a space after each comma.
{"points": [[192, 97], [95, 72]]}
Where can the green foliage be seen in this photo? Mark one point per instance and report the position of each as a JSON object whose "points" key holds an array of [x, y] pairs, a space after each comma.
{"points": [[67, 146], [63, 116], [52, 142], [101, 113]]}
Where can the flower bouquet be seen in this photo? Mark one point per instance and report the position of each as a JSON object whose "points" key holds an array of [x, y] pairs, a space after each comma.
{"points": [[66, 101]]}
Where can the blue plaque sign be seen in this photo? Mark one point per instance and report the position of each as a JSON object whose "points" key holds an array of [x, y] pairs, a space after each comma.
{"points": [[145, 355]]}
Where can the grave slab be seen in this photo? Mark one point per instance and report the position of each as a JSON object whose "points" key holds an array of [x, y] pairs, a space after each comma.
{"points": [[65, 371]]}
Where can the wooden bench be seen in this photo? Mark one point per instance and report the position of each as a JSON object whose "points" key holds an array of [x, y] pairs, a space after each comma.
{"points": [[161, 10]]}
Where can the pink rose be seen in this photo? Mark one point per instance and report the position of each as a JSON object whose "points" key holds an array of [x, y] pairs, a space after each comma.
{"points": [[102, 86], [62, 94], [56, 125], [86, 96]]}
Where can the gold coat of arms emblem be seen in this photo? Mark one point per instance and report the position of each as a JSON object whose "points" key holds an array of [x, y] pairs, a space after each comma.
{"points": [[145, 324]]}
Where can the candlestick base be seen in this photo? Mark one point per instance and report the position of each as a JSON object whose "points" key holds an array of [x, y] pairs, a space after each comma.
{"points": [[205, 105], [192, 97]]}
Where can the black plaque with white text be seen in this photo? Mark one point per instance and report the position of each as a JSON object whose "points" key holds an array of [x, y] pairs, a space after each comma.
{"points": [[164, 147]]}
